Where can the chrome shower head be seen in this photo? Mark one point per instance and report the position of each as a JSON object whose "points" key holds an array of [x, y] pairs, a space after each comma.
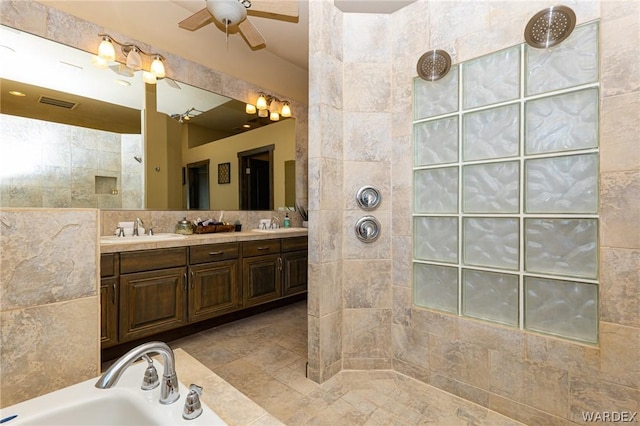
{"points": [[549, 27], [434, 65]]}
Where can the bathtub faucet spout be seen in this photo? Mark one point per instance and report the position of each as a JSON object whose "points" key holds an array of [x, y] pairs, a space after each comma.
{"points": [[169, 392]]}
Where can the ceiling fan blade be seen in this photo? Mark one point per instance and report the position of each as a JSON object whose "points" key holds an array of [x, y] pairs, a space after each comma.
{"points": [[275, 7], [197, 20], [251, 34]]}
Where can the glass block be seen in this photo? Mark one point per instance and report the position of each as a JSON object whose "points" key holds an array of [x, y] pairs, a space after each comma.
{"points": [[562, 184], [562, 246], [562, 308], [432, 98], [493, 133], [435, 287], [491, 296], [436, 142], [436, 190], [562, 123], [491, 242], [491, 79], [436, 238], [491, 188], [571, 63]]}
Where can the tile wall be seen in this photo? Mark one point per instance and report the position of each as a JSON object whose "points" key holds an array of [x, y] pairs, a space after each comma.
{"points": [[533, 378], [49, 301]]}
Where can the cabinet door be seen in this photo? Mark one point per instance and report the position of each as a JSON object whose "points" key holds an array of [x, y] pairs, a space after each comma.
{"points": [[261, 279], [108, 312], [294, 275], [151, 302], [213, 289]]}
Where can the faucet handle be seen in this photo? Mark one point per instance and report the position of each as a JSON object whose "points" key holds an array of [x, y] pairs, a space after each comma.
{"points": [[150, 380], [119, 231], [192, 404]]}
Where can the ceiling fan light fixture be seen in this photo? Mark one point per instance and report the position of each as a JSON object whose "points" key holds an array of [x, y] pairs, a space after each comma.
{"points": [[229, 12], [106, 51]]}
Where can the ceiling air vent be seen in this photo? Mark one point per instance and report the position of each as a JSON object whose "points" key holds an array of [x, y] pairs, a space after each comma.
{"points": [[57, 102]]}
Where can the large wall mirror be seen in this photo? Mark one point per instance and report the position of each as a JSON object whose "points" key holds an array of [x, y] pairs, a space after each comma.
{"points": [[88, 137]]}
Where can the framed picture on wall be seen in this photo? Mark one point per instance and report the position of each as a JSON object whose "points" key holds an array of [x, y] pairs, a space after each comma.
{"points": [[224, 173]]}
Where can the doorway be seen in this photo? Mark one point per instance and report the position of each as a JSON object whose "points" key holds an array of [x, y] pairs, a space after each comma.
{"points": [[256, 178], [198, 185]]}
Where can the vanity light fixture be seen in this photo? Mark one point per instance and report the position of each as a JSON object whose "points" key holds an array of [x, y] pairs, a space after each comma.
{"points": [[133, 58], [270, 106]]}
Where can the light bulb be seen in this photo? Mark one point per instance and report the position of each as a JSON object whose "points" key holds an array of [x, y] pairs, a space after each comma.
{"points": [[134, 60], [286, 110], [157, 67], [106, 50], [274, 116], [263, 113], [250, 109], [149, 78], [261, 103]]}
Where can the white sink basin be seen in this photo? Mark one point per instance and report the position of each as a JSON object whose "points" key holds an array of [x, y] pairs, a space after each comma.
{"points": [[280, 230], [112, 239]]}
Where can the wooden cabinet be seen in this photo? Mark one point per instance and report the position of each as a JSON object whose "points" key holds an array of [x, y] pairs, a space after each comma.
{"points": [[146, 292], [261, 271], [294, 265], [109, 267], [214, 281], [152, 292]]}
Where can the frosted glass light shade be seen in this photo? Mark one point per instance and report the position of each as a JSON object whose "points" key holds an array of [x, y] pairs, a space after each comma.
{"points": [[250, 109], [286, 110], [106, 50], [229, 12], [149, 78], [134, 60], [157, 67], [261, 103]]}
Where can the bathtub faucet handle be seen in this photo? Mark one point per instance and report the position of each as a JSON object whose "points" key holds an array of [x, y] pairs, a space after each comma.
{"points": [[150, 379], [192, 404]]}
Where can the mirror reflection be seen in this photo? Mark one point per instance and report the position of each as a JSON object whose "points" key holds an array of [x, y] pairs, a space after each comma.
{"points": [[85, 137]]}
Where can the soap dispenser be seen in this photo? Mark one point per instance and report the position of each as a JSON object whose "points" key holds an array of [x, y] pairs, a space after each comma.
{"points": [[287, 221]]}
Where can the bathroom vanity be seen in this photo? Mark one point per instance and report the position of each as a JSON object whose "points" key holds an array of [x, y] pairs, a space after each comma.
{"points": [[151, 288]]}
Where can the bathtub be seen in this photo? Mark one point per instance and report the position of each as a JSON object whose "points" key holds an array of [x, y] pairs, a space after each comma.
{"points": [[124, 404]]}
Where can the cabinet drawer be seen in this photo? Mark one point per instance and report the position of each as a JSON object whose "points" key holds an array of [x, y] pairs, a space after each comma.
{"points": [[294, 244], [147, 260], [259, 248], [213, 253], [108, 265]]}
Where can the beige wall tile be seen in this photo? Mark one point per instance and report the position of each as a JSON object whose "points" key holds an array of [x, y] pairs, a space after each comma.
{"points": [[367, 136], [48, 347], [367, 88], [367, 38], [619, 290], [619, 207], [620, 354], [367, 333], [598, 395], [367, 284], [619, 139]]}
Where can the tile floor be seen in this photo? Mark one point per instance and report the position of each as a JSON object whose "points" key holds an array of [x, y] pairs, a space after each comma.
{"points": [[264, 357]]}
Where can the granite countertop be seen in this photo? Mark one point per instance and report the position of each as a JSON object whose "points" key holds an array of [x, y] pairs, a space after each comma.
{"points": [[234, 407], [200, 239]]}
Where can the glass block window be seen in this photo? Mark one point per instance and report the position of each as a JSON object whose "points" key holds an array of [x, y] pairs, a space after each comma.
{"points": [[505, 188]]}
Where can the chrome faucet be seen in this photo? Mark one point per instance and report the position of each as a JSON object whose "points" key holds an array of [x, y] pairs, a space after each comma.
{"points": [[136, 224], [169, 392]]}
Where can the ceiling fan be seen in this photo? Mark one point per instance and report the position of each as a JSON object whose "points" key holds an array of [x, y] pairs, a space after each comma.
{"points": [[232, 13]]}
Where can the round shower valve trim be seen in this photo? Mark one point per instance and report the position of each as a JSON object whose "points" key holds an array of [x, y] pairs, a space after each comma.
{"points": [[367, 229], [368, 197]]}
